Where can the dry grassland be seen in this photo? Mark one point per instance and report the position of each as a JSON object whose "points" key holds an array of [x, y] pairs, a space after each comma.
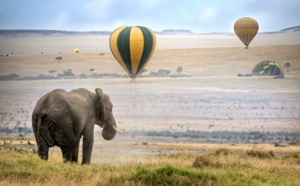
{"points": [[188, 164], [212, 98], [213, 95]]}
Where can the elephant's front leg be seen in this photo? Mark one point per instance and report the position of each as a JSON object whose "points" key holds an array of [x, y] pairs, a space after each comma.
{"points": [[87, 146]]}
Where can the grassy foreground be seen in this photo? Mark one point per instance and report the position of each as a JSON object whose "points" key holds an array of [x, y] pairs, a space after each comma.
{"points": [[221, 166]]}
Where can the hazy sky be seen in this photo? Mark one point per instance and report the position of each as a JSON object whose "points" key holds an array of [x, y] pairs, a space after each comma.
{"points": [[200, 16]]}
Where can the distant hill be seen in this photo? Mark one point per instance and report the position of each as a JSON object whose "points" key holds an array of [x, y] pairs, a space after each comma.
{"points": [[50, 32], [175, 31], [163, 32], [291, 29]]}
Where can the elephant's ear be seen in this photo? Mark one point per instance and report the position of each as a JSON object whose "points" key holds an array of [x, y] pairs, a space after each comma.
{"points": [[101, 97]]}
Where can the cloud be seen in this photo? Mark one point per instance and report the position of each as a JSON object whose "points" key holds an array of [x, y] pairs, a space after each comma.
{"points": [[209, 13], [59, 21], [198, 16]]}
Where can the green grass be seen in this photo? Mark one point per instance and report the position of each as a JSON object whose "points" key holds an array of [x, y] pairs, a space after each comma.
{"points": [[220, 167]]}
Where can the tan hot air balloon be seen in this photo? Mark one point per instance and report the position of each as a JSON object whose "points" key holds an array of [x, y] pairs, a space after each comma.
{"points": [[246, 29]]}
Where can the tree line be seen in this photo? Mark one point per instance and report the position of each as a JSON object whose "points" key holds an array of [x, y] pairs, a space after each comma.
{"points": [[224, 136], [69, 74]]}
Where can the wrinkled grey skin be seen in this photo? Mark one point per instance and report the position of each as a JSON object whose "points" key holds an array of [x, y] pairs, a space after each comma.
{"points": [[61, 118]]}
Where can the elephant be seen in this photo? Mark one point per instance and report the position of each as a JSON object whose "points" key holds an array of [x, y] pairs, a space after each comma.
{"points": [[61, 118]]}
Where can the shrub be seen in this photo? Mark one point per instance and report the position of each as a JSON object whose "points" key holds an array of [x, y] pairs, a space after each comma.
{"points": [[206, 161], [258, 154], [181, 155], [222, 151], [83, 76], [9, 77], [169, 175]]}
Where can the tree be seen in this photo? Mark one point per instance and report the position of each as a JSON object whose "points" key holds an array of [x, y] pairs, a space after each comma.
{"points": [[142, 71], [163, 73], [179, 70], [58, 59], [68, 72], [52, 71], [287, 66], [83, 76], [92, 70], [160, 73]]}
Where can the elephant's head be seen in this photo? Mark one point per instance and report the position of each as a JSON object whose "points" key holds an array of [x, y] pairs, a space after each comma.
{"points": [[105, 116]]}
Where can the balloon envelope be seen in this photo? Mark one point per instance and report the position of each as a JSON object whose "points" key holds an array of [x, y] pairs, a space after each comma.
{"points": [[132, 47], [267, 68], [75, 50], [246, 29]]}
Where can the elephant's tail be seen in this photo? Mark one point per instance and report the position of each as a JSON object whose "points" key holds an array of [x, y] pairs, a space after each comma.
{"points": [[38, 129], [43, 130]]}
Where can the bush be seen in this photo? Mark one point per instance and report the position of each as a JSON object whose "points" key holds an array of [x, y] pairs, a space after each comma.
{"points": [[68, 72], [83, 76], [9, 77], [169, 175], [160, 73], [181, 155], [258, 154], [222, 151], [206, 161]]}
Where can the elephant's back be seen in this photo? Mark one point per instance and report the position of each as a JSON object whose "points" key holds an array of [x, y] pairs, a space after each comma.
{"points": [[53, 103], [59, 104], [48, 98]]}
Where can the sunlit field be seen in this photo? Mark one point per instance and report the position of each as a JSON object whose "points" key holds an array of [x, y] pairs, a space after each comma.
{"points": [[187, 164], [211, 97], [204, 126]]}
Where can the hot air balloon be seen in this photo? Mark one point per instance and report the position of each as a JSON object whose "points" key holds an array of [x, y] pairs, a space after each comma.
{"points": [[246, 28], [132, 47], [76, 50], [267, 68]]}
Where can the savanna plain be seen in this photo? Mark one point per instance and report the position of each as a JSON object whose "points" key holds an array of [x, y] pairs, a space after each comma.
{"points": [[206, 97]]}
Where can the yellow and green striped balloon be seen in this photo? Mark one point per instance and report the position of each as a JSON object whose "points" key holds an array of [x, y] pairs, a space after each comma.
{"points": [[132, 47]]}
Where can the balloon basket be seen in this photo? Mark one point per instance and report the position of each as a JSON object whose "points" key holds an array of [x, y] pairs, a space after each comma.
{"points": [[133, 81]]}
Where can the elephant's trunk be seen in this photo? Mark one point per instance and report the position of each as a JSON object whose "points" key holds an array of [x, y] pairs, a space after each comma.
{"points": [[109, 129]]}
